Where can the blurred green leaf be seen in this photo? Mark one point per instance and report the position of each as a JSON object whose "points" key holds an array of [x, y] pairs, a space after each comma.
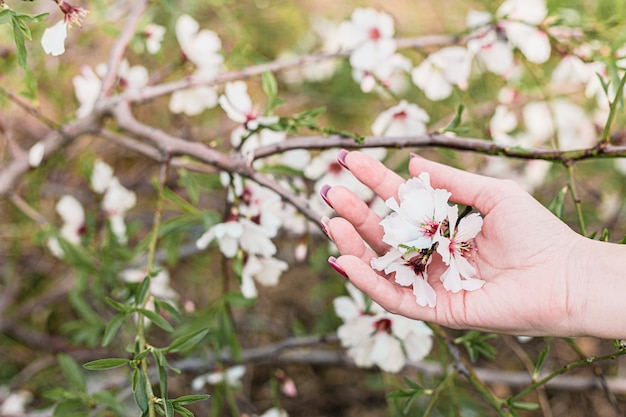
{"points": [[102, 364], [112, 327], [187, 341], [72, 370], [476, 344], [156, 319]]}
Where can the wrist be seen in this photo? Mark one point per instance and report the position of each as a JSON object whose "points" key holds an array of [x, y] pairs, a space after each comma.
{"points": [[597, 287]]}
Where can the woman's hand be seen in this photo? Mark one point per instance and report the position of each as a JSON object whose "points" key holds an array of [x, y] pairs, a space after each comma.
{"points": [[530, 260]]}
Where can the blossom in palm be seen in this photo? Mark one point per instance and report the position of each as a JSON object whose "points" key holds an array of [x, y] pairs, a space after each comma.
{"points": [[455, 250], [441, 71], [370, 36], [403, 119], [238, 107], [374, 336]]}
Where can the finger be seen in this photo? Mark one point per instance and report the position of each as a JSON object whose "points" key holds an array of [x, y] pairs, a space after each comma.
{"points": [[348, 240], [357, 212], [467, 188], [373, 173]]}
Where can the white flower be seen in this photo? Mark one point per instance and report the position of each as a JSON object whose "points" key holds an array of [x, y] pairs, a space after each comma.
{"points": [[231, 376], [521, 18], [14, 403], [275, 412], [86, 89], [390, 74], [36, 154], [238, 107], [116, 202], [502, 122], [101, 176], [369, 34], [453, 251], [193, 101], [266, 271], [441, 70], [241, 233], [403, 119], [73, 215], [410, 270], [154, 36], [159, 284], [417, 217], [200, 47], [376, 337], [53, 39]]}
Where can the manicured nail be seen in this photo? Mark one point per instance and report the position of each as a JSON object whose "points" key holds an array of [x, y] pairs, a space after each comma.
{"points": [[333, 262], [323, 193], [341, 158], [324, 223]]}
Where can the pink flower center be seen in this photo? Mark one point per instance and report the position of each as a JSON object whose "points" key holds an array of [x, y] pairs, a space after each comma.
{"points": [[430, 229], [383, 325], [401, 115], [374, 34], [334, 168]]}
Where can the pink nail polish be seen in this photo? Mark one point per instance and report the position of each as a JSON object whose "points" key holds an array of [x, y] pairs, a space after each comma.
{"points": [[341, 158], [333, 262], [324, 192], [324, 223]]}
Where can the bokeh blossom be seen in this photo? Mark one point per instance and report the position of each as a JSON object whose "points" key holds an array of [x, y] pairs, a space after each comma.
{"points": [[374, 336]]}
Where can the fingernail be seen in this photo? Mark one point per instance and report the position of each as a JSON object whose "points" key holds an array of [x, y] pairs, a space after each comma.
{"points": [[341, 158], [323, 192], [333, 262], [324, 222]]}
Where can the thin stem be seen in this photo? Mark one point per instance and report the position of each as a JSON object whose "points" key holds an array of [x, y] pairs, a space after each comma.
{"points": [[577, 203], [566, 368], [435, 396], [158, 214], [606, 132]]}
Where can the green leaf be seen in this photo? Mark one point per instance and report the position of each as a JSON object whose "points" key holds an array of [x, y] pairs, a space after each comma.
{"points": [[189, 399], [456, 121], [268, 82], [169, 409], [156, 319], [122, 308], [108, 363], [524, 406], [111, 329], [169, 308], [183, 411], [142, 290], [557, 205], [476, 344], [140, 391], [237, 300], [540, 361], [186, 341], [72, 371]]}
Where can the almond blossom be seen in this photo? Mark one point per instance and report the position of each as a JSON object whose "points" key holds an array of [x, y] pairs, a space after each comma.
{"points": [[454, 250], [369, 35], [53, 39], [403, 119], [441, 70], [238, 107], [265, 271], [390, 74], [230, 376], [73, 215], [153, 34], [374, 336]]}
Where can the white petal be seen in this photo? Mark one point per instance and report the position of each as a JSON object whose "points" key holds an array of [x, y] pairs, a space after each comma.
{"points": [[36, 154], [53, 39]]}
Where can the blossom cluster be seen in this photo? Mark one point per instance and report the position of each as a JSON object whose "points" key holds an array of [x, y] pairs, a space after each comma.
{"points": [[373, 336], [423, 224]]}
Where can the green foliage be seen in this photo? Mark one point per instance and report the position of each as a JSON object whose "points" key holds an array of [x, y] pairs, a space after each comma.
{"points": [[476, 345]]}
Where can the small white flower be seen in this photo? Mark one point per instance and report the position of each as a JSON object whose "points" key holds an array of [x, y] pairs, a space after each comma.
{"points": [[73, 215], [265, 271], [453, 250], [193, 101], [231, 376], [403, 119], [369, 34], [441, 70], [238, 107], [101, 176], [501, 124], [200, 46], [159, 284], [154, 36], [376, 337], [36, 154], [53, 39]]}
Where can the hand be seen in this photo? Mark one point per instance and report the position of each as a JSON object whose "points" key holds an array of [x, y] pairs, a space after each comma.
{"points": [[530, 260]]}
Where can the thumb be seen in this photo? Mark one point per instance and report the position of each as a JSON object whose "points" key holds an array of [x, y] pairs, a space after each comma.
{"points": [[467, 188]]}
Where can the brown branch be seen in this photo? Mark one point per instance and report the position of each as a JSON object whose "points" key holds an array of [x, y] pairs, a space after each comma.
{"points": [[119, 48], [151, 92], [441, 140]]}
